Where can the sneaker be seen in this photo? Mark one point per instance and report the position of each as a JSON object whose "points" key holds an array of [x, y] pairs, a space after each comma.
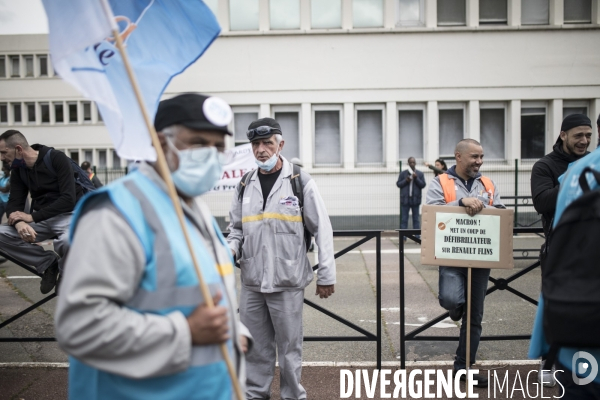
{"points": [[481, 381], [456, 314], [49, 278], [546, 377]]}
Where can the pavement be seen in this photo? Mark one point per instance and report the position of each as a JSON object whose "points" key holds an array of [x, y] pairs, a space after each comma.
{"points": [[354, 300]]}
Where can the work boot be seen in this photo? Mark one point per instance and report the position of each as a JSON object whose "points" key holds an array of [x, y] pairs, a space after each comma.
{"points": [[481, 381], [457, 313], [49, 278], [546, 377]]}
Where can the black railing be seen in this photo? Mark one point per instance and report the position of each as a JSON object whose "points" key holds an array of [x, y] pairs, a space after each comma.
{"points": [[499, 284]]}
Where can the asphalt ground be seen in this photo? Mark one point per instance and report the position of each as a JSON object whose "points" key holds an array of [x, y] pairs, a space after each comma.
{"points": [[354, 300]]}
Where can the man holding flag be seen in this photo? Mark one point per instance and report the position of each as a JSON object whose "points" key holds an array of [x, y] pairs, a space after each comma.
{"points": [[131, 314]]}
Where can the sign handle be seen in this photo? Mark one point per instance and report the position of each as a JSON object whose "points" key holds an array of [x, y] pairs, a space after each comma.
{"points": [[468, 355]]}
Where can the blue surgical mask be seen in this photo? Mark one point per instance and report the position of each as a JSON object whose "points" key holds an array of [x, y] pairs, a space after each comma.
{"points": [[269, 164], [18, 162], [199, 170]]}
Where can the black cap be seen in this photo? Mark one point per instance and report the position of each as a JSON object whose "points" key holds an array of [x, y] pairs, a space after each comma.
{"points": [[194, 111], [574, 120], [266, 122]]}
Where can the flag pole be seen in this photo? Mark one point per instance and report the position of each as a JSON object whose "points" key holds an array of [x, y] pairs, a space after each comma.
{"points": [[165, 173]]}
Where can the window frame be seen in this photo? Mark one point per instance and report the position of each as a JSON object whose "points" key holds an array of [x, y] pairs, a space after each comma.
{"points": [[327, 107], [576, 104], [420, 22], [12, 110], [291, 108], [11, 58], [5, 60], [366, 107], [412, 107], [495, 105], [241, 109], [442, 106]]}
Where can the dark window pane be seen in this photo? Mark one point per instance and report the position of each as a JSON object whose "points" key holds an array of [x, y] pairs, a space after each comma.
{"points": [[45, 109], [87, 111], [535, 12], [241, 121], [43, 65], [451, 130], [327, 138], [73, 112], [30, 112], [102, 159], [116, 159], [2, 67], [14, 67], [369, 137], [492, 11], [533, 136], [492, 132], [75, 156], [451, 12], [17, 113], [578, 11], [59, 115], [410, 129], [3, 113], [28, 66], [289, 122], [574, 110]]}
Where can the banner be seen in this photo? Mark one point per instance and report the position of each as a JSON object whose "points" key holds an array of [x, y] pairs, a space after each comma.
{"points": [[162, 38], [242, 161]]}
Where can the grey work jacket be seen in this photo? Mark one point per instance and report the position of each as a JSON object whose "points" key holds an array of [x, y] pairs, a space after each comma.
{"points": [[435, 194], [271, 242]]}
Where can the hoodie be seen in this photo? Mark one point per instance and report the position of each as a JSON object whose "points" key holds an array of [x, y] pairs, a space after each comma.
{"points": [[51, 194], [544, 181]]}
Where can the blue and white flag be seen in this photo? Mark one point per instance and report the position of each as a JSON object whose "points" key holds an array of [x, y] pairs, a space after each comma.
{"points": [[162, 38]]}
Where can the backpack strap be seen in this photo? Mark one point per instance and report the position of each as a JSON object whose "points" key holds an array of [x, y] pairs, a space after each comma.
{"points": [[48, 161], [447, 187], [583, 179], [551, 356], [489, 188], [298, 189], [243, 184]]}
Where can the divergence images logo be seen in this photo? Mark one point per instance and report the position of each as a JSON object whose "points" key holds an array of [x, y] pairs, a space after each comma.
{"points": [[584, 363]]}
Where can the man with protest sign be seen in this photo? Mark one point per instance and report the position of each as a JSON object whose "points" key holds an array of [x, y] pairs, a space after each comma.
{"points": [[132, 317], [267, 234], [462, 185]]}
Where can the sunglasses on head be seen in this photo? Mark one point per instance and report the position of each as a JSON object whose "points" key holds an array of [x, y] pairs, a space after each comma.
{"points": [[262, 131]]}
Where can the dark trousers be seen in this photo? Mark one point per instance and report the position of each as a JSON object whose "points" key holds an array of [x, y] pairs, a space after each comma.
{"points": [[453, 294], [404, 210]]}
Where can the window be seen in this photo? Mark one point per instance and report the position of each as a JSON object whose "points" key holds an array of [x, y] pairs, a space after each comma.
{"points": [[74, 154], [28, 66], [3, 113], [535, 12], [410, 12], [15, 67], [43, 61], [328, 146], [575, 107], [367, 13], [213, 5], [284, 14], [451, 12], [290, 126], [2, 67], [492, 130], [116, 160], [242, 118], [88, 155], [326, 14], [410, 134], [533, 132], [99, 114], [87, 111], [492, 12], [243, 15], [452, 129], [101, 158], [578, 11], [72, 112], [30, 112], [369, 135], [45, 111], [17, 116], [59, 115]]}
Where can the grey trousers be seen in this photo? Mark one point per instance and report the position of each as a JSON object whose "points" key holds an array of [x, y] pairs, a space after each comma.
{"points": [[274, 320], [32, 254]]}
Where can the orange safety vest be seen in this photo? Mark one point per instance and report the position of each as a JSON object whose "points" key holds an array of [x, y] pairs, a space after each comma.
{"points": [[450, 190]]}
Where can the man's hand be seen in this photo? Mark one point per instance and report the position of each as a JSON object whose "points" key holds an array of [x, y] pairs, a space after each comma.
{"points": [[17, 216], [26, 232], [325, 291], [408, 178], [472, 205], [209, 325], [414, 175], [244, 343]]}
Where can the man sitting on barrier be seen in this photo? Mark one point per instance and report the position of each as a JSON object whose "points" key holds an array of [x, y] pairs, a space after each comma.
{"points": [[47, 175], [462, 185]]}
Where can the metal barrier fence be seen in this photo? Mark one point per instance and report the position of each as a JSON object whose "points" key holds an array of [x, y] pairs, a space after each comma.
{"points": [[366, 335], [499, 284], [367, 198]]}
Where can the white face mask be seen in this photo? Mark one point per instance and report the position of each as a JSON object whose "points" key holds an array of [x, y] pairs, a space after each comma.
{"points": [[269, 164], [199, 169]]}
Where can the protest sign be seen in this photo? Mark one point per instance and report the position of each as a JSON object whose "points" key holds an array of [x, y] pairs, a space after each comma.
{"points": [[450, 237], [241, 161]]}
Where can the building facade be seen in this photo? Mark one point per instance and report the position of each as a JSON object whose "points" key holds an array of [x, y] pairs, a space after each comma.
{"points": [[359, 85]]}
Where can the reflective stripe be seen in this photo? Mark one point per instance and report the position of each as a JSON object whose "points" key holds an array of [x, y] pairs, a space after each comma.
{"points": [[225, 269], [282, 217], [168, 298]]}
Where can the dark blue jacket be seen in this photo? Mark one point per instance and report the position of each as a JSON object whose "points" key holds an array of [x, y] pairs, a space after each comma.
{"points": [[419, 184]]}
